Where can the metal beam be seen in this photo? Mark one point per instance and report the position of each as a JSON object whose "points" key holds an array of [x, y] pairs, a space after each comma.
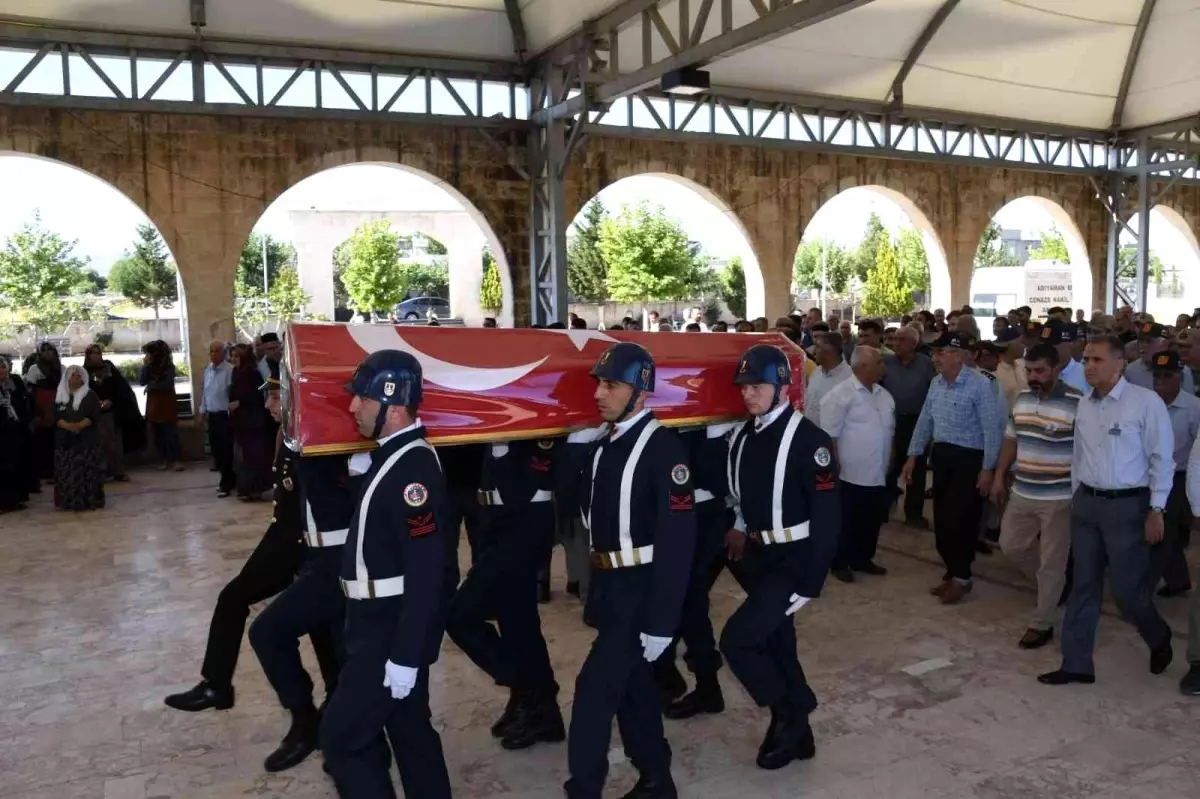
{"points": [[779, 22], [914, 53], [512, 8], [1135, 49]]}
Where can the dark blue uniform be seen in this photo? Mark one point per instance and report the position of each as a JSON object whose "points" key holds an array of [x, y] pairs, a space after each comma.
{"points": [[393, 565], [639, 507], [517, 505], [327, 496], [792, 516]]}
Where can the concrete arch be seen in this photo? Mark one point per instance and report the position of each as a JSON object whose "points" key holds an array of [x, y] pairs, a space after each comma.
{"points": [[1177, 222], [462, 243], [1176, 227]]}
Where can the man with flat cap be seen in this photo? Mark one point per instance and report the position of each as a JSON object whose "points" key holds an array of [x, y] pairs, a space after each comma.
{"points": [[1061, 336], [1168, 562], [1153, 338]]}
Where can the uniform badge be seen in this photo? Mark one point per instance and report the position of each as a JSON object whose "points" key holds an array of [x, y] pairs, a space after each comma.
{"points": [[742, 368], [780, 371], [604, 358], [389, 388], [545, 445], [646, 374], [287, 483], [416, 494], [822, 457], [680, 474]]}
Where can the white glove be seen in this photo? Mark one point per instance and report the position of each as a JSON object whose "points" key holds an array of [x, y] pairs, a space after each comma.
{"points": [[400, 679], [797, 603], [653, 646]]}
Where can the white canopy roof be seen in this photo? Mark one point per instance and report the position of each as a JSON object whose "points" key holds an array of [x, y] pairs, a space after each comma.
{"points": [[1051, 61]]}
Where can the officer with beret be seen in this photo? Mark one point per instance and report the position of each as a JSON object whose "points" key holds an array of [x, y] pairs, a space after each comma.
{"points": [[784, 481], [270, 568], [1168, 562], [639, 508], [391, 574], [313, 603], [516, 503]]}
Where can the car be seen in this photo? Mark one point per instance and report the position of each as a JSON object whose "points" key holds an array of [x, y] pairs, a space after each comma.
{"points": [[422, 308]]}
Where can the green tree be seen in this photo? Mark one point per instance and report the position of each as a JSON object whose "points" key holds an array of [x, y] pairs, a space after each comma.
{"points": [[38, 273], [1053, 248], [491, 290], [434, 247], [371, 278], [93, 282], [341, 259], [990, 251], [867, 254], [700, 279], [425, 279], [840, 266], [887, 293], [733, 287], [1127, 265], [249, 280], [914, 263], [648, 255], [286, 296], [587, 273], [146, 276]]}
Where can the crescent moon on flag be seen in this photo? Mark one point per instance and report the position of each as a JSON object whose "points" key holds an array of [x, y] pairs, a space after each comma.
{"points": [[457, 377]]}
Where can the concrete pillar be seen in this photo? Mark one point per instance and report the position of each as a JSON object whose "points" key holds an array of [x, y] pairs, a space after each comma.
{"points": [[314, 263], [465, 253]]}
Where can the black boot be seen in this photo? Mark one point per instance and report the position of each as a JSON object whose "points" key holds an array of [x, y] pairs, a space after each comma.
{"points": [[793, 739], [659, 786], [509, 716], [539, 720], [671, 684], [202, 697], [298, 744], [543, 591], [707, 698]]}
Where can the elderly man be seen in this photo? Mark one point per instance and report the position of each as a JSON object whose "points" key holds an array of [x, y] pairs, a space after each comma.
{"points": [[860, 417], [1153, 339], [907, 375], [831, 370], [1167, 560], [214, 415]]}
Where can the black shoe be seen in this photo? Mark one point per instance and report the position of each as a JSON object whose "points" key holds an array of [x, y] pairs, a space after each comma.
{"points": [[653, 787], [872, 568], [589, 619], [992, 535], [222, 494], [1171, 593], [844, 575], [792, 741], [983, 547], [298, 744], [1190, 684], [1036, 639], [202, 697], [509, 716], [1061, 677], [917, 523], [1161, 658], [573, 589], [539, 720], [543, 592], [707, 698], [671, 684]]}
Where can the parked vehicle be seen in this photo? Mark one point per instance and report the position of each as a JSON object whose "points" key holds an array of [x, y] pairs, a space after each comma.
{"points": [[422, 308]]}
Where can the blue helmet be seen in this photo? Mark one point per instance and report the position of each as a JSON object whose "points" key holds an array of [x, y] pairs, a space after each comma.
{"points": [[390, 377], [627, 362], [763, 363]]}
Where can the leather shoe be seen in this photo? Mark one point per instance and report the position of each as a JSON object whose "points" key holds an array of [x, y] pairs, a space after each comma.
{"points": [[917, 523], [671, 684], [707, 698], [1061, 677], [660, 786], [201, 697], [573, 589], [844, 575], [543, 592], [1171, 593], [983, 547], [940, 588], [1190, 684], [1036, 639], [793, 741], [1161, 658], [539, 720], [509, 716], [954, 592], [872, 568]]}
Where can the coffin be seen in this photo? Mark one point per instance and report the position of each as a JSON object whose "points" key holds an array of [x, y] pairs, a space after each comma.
{"points": [[497, 385]]}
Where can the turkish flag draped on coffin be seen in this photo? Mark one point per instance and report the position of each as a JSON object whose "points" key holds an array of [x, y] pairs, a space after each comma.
{"points": [[497, 385]]}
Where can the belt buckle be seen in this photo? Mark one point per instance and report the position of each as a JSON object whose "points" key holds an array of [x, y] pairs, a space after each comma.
{"points": [[371, 589], [345, 592]]}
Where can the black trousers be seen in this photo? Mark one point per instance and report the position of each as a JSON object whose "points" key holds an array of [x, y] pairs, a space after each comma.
{"points": [[1168, 558], [759, 639], [462, 508], [695, 626], [957, 506], [220, 441], [864, 510], [914, 497], [615, 680], [312, 605], [501, 585], [361, 707], [270, 568]]}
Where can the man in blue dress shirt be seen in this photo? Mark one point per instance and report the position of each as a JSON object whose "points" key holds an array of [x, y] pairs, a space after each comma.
{"points": [[960, 416]]}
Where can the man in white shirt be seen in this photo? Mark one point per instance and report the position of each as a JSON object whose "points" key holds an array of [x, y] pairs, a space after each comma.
{"points": [[831, 370], [214, 415], [860, 417]]}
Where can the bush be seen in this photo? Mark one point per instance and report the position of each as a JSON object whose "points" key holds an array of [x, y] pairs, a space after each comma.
{"points": [[131, 369], [104, 338]]}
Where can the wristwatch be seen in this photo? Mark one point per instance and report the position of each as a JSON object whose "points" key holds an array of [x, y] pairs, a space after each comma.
{"points": [[1155, 509]]}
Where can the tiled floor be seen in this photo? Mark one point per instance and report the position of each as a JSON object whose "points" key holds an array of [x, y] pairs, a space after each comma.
{"points": [[103, 614]]}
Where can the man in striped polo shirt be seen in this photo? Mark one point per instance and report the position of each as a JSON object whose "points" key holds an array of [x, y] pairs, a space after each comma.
{"points": [[1038, 447]]}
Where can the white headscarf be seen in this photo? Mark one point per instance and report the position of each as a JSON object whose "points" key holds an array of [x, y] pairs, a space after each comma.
{"points": [[65, 394]]}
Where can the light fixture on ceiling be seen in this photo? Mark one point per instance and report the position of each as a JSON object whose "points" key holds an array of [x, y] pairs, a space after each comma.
{"points": [[686, 81]]}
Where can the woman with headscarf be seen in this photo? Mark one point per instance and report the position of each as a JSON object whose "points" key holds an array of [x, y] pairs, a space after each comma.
{"points": [[118, 411], [158, 376], [252, 452], [16, 415], [78, 461], [42, 378]]}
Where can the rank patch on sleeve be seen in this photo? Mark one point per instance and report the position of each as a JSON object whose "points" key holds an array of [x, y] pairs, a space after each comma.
{"points": [[822, 457], [680, 474], [539, 464], [826, 481], [424, 524], [544, 444], [681, 503], [416, 494]]}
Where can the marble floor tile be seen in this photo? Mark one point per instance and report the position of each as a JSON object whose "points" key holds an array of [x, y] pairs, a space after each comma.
{"points": [[106, 613]]}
